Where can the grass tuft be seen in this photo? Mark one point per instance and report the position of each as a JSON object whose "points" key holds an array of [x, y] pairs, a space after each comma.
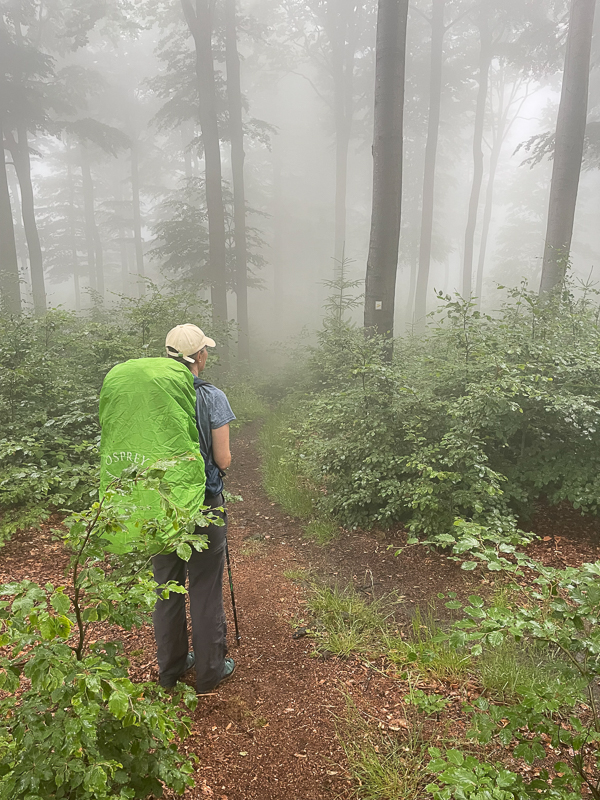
{"points": [[298, 575], [382, 767], [511, 670], [426, 651], [321, 531], [346, 622]]}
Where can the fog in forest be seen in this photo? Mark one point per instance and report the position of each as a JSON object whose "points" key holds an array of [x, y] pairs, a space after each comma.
{"points": [[102, 123]]}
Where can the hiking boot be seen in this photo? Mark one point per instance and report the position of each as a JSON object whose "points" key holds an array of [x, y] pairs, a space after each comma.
{"points": [[228, 670], [169, 683]]}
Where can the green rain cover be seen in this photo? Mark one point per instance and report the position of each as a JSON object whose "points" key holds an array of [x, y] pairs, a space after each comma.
{"points": [[147, 414]]}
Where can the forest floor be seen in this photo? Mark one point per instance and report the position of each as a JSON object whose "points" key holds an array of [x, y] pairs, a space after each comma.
{"points": [[271, 731]]}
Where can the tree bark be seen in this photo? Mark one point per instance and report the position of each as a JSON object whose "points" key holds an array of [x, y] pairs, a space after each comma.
{"points": [[568, 148], [485, 59], [19, 149], [73, 231], [186, 137], [199, 20], [137, 217], [9, 267], [487, 212], [20, 240], [382, 262], [236, 133], [87, 186], [278, 255], [433, 124], [342, 25]]}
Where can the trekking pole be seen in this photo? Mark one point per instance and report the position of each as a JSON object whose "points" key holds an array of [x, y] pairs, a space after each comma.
{"points": [[237, 630]]}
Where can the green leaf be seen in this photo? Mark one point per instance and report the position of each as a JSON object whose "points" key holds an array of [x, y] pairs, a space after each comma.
{"points": [[118, 704], [184, 551], [60, 602], [455, 757], [495, 638], [95, 779]]}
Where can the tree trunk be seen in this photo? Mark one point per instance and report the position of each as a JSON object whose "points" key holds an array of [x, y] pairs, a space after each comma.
{"points": [[73, 231], [568, 148], [200, 23], [278, 254], [382, 263], [137, 217], [20, 240], [487, 213], [22, 162], [9, 267], [410, 317], [341, 29], [236, 133], [186, 138], [485, 58], [90, 222], [435, 98]]}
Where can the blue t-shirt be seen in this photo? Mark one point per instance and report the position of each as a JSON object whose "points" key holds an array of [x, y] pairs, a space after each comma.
{"points": [[212, 412]]}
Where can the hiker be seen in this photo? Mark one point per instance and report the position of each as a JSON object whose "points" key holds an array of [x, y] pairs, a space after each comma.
{"points": [[188, 345], [150, 410]]}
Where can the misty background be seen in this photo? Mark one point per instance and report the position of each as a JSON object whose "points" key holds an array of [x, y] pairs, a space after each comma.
{"points": [[100, 105]]}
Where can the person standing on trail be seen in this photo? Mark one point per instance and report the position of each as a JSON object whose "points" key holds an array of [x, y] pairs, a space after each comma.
{"points": [[154, 409], [188, 345]]}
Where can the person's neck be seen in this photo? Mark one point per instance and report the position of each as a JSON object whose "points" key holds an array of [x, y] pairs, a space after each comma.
{"points": [[194, 370]]}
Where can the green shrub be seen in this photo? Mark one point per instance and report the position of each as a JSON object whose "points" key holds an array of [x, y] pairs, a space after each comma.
{"points": [[463, 431], [73, 725], [557, 703]]}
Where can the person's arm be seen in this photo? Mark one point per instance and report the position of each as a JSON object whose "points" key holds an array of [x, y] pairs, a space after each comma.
{"points": [[220, 447]]}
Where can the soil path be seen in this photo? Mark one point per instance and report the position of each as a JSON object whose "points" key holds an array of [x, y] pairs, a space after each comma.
{"points": [[269, 733]]}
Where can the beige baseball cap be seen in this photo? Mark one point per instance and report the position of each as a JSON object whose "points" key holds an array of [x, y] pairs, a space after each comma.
{"points": [[186, 340]]}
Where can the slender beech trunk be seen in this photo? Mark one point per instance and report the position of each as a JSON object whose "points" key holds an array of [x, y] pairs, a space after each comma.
{"points": [[498, 140], [9, 267], [20, 240], [568, 148], [20, 155], [382, 262], [411, 292], [185, 147], [487, 213], [485, 59], [200, 21], [74, 236], [278, 240], [433, 125], [342, 24], [87, 186], [137, 217], [236, 132]]}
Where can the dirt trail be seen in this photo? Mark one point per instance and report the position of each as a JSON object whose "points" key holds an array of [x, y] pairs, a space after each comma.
{"points": [[269, 732]]}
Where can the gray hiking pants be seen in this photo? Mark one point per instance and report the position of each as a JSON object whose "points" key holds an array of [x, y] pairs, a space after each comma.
{"points": [[204, 572]]}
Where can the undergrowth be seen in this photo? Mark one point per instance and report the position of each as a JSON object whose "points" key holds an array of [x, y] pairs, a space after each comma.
{"points": [[528, 661], [460, 434], [51, 372]]}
